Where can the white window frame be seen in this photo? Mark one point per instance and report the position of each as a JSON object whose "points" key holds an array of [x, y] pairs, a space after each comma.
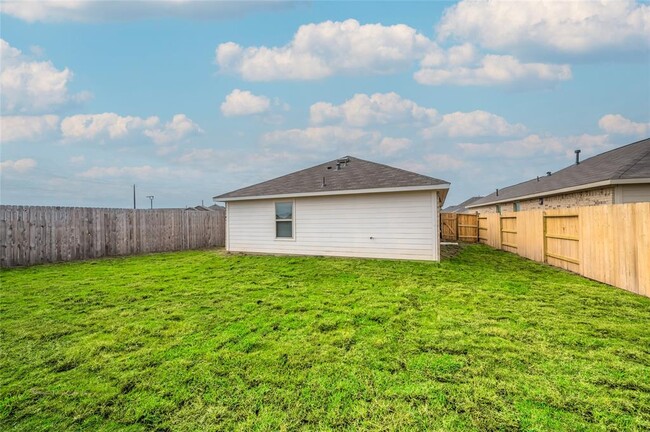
{"points": [[292, 220]]}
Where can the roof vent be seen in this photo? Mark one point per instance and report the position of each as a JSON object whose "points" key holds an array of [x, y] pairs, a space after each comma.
{"points": [[548, 173], [577, 152], [323, 184], [497, 192], [342, 163]]}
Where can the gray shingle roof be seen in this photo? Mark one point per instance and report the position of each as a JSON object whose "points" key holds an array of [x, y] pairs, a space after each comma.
{"points": [[631, 161], [462, 207], [356, 174]]}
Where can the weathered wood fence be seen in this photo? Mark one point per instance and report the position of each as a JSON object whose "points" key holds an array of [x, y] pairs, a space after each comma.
{"points": [[33, 235], [609, 243], [459, 227]]}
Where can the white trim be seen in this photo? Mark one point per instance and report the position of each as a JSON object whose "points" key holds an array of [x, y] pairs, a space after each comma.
{"points": [[435, 242], [227, 227], [564, 190], [342, 192]]}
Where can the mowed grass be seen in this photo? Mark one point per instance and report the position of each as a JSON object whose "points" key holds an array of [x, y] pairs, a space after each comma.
{"points": [[203, 340]]}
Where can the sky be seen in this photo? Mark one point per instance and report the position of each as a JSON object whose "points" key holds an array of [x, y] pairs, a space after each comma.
{"points": [[188, 100]]}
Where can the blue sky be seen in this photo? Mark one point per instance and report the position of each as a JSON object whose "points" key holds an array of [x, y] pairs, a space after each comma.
{"points": [[192, 99]]}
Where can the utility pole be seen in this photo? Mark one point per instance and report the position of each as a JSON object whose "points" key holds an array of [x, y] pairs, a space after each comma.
{"points": [[151, 200], [133, 197]]}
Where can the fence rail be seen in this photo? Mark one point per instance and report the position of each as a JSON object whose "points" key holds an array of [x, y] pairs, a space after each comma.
{"points": [[609, 243], [33, 235]]}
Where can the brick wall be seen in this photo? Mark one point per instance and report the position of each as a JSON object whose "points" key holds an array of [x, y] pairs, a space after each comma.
{"points": [[583, 198]]}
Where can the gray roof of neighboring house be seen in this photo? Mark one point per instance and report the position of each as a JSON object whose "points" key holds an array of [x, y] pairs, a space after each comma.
{"points": [[217, 207], [462, 207], [356, 174], [629, 162], [213, 207]]}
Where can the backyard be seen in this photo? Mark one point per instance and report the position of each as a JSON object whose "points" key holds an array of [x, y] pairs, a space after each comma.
{"points": [[485, 340]]}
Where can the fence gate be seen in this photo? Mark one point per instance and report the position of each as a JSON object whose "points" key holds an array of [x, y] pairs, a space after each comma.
{"points": [[459, 227], [509, 233], [449, 225], [561, 241], [468, 228]]}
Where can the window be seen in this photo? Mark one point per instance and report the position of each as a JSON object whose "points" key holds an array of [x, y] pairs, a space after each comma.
{"points": [[515, 206], [284, 219], [498, 209]]}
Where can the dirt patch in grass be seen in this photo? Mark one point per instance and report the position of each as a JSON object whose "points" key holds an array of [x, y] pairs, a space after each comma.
{"points": [[448, 251]]}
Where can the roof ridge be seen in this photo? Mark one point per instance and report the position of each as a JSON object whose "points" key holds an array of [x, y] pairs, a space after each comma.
{"points": [[360, 175], [399, 169], [279, 177]]}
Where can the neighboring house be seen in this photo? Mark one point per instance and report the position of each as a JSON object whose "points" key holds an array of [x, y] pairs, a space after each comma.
{"points": [[462, 207], [213, 207], [618, 176], [346, 207]]}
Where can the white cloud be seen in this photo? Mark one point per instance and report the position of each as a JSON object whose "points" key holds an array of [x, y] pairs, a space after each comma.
{"points": [[492, 70], [379, 108], [27, 128], [473, 124], [573, 27], [617, 124], [19, 166], [114, 126], [77, 159], [32, 86], [325, 138], [93, 10], [321, 50], [242, 102], [350, 48], [390, 146], [178, 129], [106, 125], [535, 145]]}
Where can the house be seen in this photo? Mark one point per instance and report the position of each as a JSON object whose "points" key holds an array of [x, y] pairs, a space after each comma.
{"points": [[345, 207], [217, 207], [462, 207], [618, 176], [213, 207]]}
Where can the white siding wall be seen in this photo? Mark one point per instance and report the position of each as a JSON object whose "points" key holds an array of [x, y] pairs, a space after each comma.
{"points": [[403, 225]]}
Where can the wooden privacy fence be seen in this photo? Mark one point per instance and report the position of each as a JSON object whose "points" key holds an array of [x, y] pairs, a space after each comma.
{"points": [[608, 243], [459, 227], [33, 235]]}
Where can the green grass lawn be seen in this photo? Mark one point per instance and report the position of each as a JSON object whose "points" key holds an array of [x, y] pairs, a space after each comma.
{"points": [[203, 340]]}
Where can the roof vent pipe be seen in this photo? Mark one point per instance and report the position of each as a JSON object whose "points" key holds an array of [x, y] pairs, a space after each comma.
{"points": [[577, 152], [323, 185], [497, 192], [537, 178], [548, 173]]}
